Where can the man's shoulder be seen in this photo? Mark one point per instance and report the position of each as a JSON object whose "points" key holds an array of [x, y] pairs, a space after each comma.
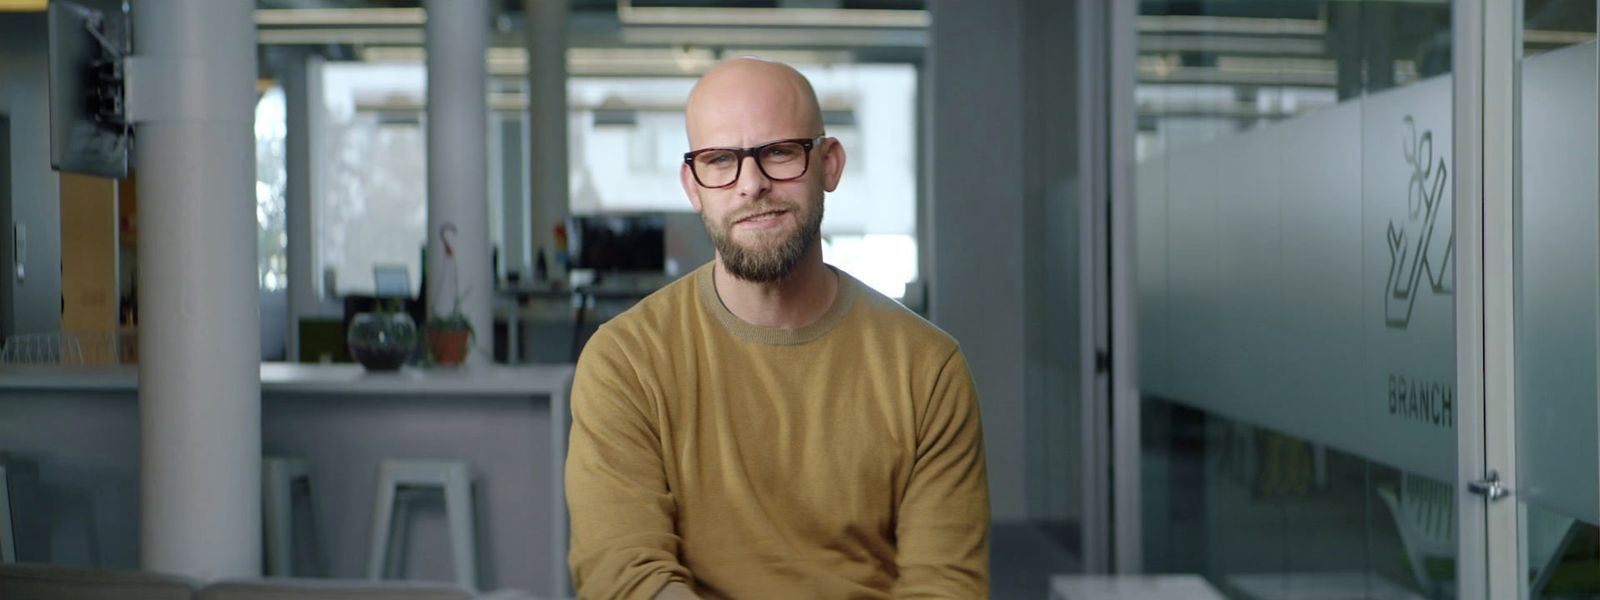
{"points": [[656, 314], [885, 317]]}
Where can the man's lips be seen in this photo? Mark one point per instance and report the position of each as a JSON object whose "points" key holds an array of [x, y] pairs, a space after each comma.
{"points": [[761, 216]]}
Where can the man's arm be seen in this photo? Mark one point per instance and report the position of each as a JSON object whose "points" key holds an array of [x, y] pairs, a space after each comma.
{"points": [[677, 591], [942, 533], [624, 540]]}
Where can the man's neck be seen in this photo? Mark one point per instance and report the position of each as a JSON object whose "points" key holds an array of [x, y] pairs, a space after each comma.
{"points": [[789, 303]]}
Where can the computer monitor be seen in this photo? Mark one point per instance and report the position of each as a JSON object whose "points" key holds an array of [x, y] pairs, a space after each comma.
{"points": [[391, 281], [618, 243]]}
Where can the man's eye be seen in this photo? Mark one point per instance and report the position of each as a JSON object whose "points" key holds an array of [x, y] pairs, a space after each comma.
{"points": [[717, 159], [780, 152]]}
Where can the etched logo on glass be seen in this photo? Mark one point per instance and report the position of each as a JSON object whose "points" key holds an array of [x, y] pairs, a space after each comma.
{"points": [[1420, 244]]}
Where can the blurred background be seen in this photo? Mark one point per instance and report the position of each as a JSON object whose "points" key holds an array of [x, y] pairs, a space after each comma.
{"points": [[1233, 338]]}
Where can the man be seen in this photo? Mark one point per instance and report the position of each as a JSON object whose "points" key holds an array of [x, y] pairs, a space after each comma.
{"points": [[768, 426]]}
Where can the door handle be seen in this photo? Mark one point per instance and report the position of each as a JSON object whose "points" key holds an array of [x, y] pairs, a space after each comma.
{"points": [[1489, 487]]}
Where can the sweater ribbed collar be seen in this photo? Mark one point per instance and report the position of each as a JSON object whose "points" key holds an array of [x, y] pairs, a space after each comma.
{"points": [[706, 289]]}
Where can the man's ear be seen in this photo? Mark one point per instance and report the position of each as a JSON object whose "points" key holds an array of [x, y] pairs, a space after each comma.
{"points": [[691, 188], [832, 163]]}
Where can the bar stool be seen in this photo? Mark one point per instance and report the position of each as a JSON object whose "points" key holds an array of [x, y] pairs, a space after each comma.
{"points": [[398, 481], [19, 499], [280, 476], [8, 536]]}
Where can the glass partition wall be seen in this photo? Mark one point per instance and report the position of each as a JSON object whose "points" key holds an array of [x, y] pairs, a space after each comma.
{"points": [[1556, 251], [1314, 404], [1296, 296]]}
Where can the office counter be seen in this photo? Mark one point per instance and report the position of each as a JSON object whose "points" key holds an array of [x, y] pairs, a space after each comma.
{"points": [[81, 427]]}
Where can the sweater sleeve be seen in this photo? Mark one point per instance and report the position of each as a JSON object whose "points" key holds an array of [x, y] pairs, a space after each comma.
{"points": [[624, 540], [943, 526]]}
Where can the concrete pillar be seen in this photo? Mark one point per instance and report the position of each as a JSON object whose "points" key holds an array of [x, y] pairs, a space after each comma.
{"points": [[458, 121], [977, 126], [547, 124], [302, 94], [192, 91]]}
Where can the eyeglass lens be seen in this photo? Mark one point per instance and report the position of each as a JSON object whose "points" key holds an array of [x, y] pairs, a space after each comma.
{"points": [[780, 161]]}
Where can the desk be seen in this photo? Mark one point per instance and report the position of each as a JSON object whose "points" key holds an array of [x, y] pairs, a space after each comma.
{"points": [[1132, 587], [583, 297], [510, 422], [1320, 586]]}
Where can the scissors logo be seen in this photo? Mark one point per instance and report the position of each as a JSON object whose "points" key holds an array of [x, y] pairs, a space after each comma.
{"points": [[1415, 247]]}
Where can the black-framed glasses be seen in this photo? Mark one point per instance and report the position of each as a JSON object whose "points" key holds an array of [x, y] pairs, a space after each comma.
{"points": [[782, 160]]}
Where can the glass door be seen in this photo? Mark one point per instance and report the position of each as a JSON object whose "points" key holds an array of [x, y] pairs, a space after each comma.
{"points": [[1317, 390], [1556, 279], [1295, 182]]}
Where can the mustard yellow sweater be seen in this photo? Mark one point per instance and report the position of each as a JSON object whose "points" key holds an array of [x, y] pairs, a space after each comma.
{"points": [[840, 460]]}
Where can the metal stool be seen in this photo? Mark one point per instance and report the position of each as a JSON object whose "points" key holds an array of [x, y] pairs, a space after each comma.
{"points": [[8, 536], [23, 536], [391, 511], [280, 476]]}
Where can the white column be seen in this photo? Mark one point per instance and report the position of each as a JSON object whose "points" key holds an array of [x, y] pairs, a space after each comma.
{"points": [[513, 182], [193, 93], [547, 124], [302, 90], [458, 109]]}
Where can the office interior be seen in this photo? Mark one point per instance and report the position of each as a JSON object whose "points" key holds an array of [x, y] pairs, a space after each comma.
{"points": [[1263, 298]]}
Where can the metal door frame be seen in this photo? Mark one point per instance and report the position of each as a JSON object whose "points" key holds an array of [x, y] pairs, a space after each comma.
{"points": [[1112, 539], [1489, 32]]}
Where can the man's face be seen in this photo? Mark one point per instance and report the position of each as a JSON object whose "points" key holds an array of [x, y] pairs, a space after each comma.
{"points": [[761, 228]]}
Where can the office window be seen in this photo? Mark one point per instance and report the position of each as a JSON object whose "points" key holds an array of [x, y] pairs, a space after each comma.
{"points": [[626, 139], [373, 206], [271, 238]]}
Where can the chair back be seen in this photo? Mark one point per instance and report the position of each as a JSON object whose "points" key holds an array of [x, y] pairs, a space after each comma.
{"points": [[51, 582], [283, 588], [1424, 512]]}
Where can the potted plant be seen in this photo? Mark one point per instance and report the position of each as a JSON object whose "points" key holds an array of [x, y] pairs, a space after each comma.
{"points": [[450, 335]]}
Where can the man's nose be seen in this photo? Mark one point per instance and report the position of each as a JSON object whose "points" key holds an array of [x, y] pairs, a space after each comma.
{"points": [[752, 181]]}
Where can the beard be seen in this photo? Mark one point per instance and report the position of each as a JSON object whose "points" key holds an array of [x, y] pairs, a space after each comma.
{"points": [[766, 260]]}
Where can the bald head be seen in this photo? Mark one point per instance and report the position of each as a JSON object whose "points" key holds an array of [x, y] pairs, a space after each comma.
{"points": [[762, 226], [747, 101]]}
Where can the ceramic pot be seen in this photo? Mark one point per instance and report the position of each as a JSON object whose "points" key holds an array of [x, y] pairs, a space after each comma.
{"points": [[449, 346]]}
